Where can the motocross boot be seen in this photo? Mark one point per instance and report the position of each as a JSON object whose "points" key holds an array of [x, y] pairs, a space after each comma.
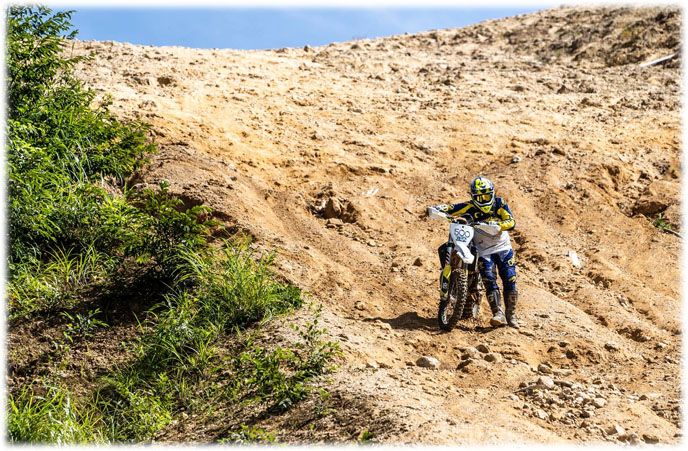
{"points": [[498, 318], [510, 300]]}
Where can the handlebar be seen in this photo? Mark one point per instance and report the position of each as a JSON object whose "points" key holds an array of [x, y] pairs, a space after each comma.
{"points": [[465, 219]]}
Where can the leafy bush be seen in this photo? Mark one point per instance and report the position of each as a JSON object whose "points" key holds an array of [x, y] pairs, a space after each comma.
{"points": [[313, 355], [58, 143], [269, 376], [50, 110], [163, 235]]}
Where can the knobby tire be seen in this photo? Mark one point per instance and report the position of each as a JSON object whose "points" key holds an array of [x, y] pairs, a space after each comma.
{"points": [[458, 288]]}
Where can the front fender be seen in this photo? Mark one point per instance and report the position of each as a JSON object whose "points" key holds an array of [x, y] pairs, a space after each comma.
{"points": [[464, 253]]}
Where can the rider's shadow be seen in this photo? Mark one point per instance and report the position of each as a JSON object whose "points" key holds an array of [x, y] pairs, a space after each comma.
{"points": [[409, 321], [486, 329]]}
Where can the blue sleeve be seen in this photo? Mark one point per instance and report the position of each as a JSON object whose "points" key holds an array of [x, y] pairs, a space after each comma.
{"points": [[453, 209]]}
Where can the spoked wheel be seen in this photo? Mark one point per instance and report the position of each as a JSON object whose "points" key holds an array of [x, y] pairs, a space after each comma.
{"points": [[450, 311], [475, 289], [472, 307]]}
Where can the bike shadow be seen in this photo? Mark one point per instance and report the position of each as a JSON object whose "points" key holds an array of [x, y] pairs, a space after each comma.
{"points": [[413, 321], [486, 329], [409, 321]]}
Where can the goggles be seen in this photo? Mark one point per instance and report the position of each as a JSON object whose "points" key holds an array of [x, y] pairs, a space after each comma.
{"points": [[483, 198]]}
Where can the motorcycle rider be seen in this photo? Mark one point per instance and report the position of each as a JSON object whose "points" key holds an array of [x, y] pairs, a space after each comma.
{"points": [[493, 245]]}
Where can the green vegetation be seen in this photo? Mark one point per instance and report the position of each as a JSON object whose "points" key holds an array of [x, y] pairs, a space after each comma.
{"points": [[279, 377], [234, 287], [661, 223], [366, 436], [248, 436], [65, 231], [50, 418], [75, 245], [60, 147], [631, 33], [81, 326]]}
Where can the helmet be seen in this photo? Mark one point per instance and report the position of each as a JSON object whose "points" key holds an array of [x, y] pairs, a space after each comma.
{"points": [[482, 193]]}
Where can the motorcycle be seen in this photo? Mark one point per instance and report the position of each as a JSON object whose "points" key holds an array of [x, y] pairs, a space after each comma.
{"points": [[461, 263]]}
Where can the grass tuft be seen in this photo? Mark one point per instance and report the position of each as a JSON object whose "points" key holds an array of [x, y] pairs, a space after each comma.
{"points": [[235, 287], [51, 418]]}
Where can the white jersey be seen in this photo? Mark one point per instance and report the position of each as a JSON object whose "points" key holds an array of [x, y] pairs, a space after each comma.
{"points": [[487, 244]]}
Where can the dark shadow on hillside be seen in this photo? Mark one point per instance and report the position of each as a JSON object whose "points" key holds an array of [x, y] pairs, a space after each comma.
{"points": [[130, 297], [121, 301]]}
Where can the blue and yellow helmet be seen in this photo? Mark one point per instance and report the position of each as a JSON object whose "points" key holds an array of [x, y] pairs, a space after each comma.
{"points": [[482, 194]]}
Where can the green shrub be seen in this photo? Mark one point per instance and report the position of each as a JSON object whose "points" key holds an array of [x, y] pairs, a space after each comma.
{"points": [[268, 376], [34, 40], [59, 143], [50, 109], [164, 235], [314, 356]]}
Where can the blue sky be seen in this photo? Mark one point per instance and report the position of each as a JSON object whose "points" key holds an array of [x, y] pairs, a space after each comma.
{"points": [[270, 27]]}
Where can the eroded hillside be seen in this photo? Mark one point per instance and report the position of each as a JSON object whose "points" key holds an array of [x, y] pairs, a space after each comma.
{"points": [[331, 154]]}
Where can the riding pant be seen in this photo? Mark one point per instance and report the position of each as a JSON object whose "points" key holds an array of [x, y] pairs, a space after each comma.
{"points": [[504, 261]]}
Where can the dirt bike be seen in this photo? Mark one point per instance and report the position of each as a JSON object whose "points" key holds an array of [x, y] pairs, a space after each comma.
{"points": [[465, 284]]}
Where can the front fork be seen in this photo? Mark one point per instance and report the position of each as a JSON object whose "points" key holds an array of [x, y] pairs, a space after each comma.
{"points": [[474, 281], [451, 261]]}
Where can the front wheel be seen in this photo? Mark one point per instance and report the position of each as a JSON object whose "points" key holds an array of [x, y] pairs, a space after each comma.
{"points": [[450, 310]]}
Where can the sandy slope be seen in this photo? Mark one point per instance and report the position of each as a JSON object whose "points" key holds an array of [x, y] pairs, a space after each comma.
{"points": [[551, 106]]}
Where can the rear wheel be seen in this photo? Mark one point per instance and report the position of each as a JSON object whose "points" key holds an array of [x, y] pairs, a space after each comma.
{"points": [[450, 311], [472, 307]]}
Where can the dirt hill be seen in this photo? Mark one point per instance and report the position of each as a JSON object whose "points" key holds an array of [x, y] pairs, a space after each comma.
{"points": [[331, 154]]}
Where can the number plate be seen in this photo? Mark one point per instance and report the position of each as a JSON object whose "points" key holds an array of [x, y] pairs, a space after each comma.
{"points": [[461, 233]]}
